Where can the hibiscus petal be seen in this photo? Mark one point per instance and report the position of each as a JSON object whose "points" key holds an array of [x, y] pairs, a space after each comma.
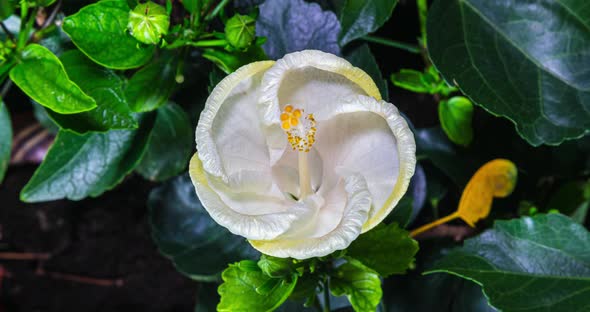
{"points": [[257, 226], [312, 80], [229, 138], [354, 214], [371, 138]]}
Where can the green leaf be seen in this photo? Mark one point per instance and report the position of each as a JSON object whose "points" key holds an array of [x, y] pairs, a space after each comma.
{"points": [[497, 53], [192, 6], [361, 17], [295, 25], [185, 233], [360, 284], [42, 77], [7, 8], [229, 62], [387, 249], [410, 79], [151, 86], [239, 291], [170, 145], [100, 31], [275, 267], [529, 264], [105, 87], [5, 139], [363, 58], [240, 31], [148, 22], [78, 166], [455, 117], [435, 292]]}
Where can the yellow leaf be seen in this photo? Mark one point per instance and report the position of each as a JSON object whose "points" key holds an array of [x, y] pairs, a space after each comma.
{"points": [[496, 178]]}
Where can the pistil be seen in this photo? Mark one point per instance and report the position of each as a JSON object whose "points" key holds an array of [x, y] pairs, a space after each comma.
{"points": [[301, 136], [304, 176]]}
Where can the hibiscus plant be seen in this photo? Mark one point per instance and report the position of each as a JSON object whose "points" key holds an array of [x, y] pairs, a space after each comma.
{"points": [[287, 173]]}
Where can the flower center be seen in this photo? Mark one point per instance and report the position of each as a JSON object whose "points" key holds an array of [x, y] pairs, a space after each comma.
{"points": [[301, 135]]}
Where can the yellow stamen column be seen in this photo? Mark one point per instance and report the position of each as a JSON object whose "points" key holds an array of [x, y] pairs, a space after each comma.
{"points": [[301, 136]]}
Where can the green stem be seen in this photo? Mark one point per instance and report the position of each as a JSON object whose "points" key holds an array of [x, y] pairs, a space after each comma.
{"points": [[5, 88], [216, 10], [208, 43], [196, 15], [395, 44], [423, 15], [327, 296], [25, 30]]}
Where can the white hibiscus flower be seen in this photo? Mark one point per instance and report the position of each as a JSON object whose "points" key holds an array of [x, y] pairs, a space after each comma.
{"points": [[300, 156]]}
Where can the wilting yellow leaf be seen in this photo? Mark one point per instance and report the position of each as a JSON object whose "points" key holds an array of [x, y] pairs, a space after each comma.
{"points": [[496, 178]]}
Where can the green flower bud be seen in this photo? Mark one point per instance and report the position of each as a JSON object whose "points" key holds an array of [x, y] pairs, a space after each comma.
{"points": [[240, 31], [148, 22]]}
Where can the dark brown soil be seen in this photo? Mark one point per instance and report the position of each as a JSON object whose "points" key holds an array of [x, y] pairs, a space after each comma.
{"points": [[107, 238]]}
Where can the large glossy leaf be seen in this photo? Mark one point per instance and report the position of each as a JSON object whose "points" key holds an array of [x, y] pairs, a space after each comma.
{"points": [[41, 76], [100, 31], [361, 17], [170, 146], [415, 292], [5, 139], [78, 166], [184, 232], [150, 87], [530, 264], [437, 292], [525, 60], [105, 87], [363, 58], [295, 25], [387, 249]]}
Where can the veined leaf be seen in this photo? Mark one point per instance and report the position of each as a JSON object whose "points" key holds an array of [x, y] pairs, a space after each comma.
{"points": [[241, 290], [361, 17], [170, 145], [41, 76], [78, 166], [529, 264], [100, 31], [386, 249], [105, 87], [524, 60]]}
